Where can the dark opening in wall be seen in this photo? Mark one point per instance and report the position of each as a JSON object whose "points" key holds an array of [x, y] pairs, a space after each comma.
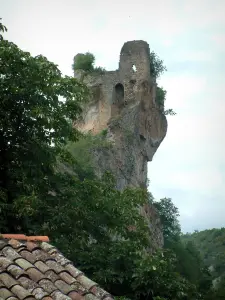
{"points": [[117, 99], [118, 94]]}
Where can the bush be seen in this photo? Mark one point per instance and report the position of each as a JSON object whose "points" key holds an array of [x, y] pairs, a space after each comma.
{"points": [[156, 65], [160, 96], [84, 62]]}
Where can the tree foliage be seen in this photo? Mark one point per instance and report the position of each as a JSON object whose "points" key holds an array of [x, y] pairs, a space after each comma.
{"points": [[85, 62], [37, 104], [156, 65], [160, 96], [210, 244], [189, 263], [157, 68], [169, 217]]}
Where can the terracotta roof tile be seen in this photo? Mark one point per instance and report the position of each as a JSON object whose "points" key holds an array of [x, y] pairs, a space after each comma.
{"points": [[31, 268], [75, 296], [51, 275], [5, 293], [12, 298], [16, 271], [27, 255]]}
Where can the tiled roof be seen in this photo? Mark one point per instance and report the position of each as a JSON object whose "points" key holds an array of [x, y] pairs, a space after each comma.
{"points": [[37, 270]]}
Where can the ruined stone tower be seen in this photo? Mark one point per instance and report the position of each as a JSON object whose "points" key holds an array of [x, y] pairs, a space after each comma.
{"points": [[123, 104]]}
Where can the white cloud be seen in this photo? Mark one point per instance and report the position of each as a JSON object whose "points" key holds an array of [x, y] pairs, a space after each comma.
{"points": [[219, 40]]}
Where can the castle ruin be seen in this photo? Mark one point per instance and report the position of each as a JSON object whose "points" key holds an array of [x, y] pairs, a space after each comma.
{"points": [[123, 103]]}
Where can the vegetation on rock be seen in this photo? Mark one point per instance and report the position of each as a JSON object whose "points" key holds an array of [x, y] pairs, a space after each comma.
{"points": [[157, 69], [156, 65], [85, 62]]}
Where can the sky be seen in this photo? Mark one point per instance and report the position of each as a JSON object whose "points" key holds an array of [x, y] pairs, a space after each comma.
{"points": [[189, 165]]}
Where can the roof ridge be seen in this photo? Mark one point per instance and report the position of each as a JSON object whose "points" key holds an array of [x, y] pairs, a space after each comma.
{"points": [[23, 237]]}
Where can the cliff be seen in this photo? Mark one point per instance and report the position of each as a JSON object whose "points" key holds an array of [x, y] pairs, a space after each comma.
{"points": [[123, 106]]}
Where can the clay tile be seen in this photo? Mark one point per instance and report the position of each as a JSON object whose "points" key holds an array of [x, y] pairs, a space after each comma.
{"points": [[25, 238], [28, 284], [52, 275], [46, 247], [15, 244], [7, 280], [63, 286], [79, 288], [16, 271], [20, 292], [73, 271], [39, 293], [28, 256], [40, 255], [75, 296], [54, 266], [5, 293], [34, 274], [38, 238], [60, 259], [86, 282], [10, 253], [32, 246], [47, 285], [14, 236], [47, 298], [5, 262], [2, 284], [23, 263], [90, 297], [41, 266], [57, 295], [67, 277], [99, 292], [3, 244], [13, 298]]}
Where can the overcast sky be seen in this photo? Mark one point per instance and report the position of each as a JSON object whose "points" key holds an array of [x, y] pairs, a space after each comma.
{"points": [[189, 166]]}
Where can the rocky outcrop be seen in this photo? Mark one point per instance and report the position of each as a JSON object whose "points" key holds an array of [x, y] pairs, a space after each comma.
{"points": [[123, 106]]}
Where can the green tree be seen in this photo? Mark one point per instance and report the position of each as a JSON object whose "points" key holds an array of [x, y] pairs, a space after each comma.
{"points": [[169, 217], [157, 68], [2, 29], [160, 96], [210, 244], [84, 61], [37, 105], [156, 65], [189, 263]]}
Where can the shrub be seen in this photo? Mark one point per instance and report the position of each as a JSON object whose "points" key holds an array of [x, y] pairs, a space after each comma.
{"points": [[160, 96], [156, 65], [84, 61]]}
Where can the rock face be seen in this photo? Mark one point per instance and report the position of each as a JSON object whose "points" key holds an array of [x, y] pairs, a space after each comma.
{"points": [[123, 106]]}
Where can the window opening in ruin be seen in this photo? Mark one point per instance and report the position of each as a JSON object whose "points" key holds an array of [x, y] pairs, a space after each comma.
{"points": [[132, 81], [134, 68], [119, 94]]}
